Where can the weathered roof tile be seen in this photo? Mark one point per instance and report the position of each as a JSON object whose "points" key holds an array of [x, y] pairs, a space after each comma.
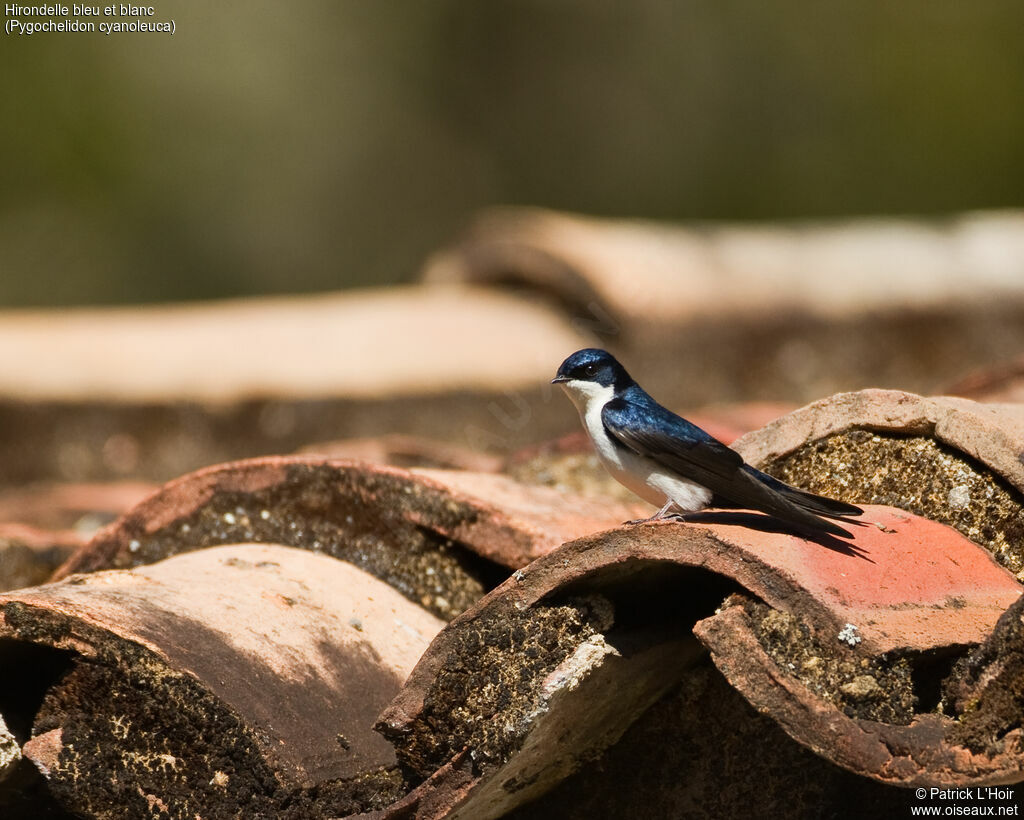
{"points": [[245, 677], [423, 531]]}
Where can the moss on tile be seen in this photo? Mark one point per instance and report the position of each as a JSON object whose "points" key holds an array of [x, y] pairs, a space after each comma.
{"points": [[334, 511], [868, 688], [143, 737], [917, 474], [702, 751], [25, 565], [986, 687], [140, 739], [490, 687], [578, 472]]}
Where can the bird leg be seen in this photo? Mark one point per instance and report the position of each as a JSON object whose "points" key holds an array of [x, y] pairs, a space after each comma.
{"points": [[663, 513]]}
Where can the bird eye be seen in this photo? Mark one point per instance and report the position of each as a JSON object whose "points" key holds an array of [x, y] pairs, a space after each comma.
{"points": [[590, 370]]}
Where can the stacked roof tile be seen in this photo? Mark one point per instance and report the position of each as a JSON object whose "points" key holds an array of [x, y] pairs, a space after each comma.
{"points": [[425, 619]]}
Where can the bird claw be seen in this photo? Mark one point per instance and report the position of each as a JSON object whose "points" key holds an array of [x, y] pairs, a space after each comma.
{"points": [[657, 517]]}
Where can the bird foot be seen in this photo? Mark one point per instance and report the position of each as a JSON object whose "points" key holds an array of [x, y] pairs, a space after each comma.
{"points": [[658, 516]]}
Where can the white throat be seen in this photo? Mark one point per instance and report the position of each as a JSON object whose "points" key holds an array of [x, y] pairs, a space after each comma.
{"points": [[589, 397], [649, 480]]}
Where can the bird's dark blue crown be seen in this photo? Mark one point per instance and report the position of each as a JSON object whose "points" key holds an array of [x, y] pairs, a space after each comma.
{"points": [[594, 365]]}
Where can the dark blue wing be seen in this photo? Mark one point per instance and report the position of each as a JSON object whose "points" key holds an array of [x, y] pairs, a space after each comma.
{"points": [[650, 430], [636, 421]]}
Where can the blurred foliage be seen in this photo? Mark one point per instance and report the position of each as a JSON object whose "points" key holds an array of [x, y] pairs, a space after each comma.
{"points": [[271, 147]]}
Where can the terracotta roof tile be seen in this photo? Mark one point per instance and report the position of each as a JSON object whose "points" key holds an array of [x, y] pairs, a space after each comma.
{"points": [[726, 312], [894, 656], [407, 451], [82, 507], [244, 676], [29, 555], [417, 529], [950, 459], [191, 353], [1002, 382], [927, 752], [858, 596], [666, 272]]}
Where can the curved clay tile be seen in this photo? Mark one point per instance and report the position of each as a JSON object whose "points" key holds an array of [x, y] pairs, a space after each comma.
{"points": [[905, 587], [83, 507], [42, 525], [706, 313], [1003, 382], [190, 352], [660, 271], [950, 459], [927, 751], [30, 556], [984, 690], [407, 451], [423, 531], [152, 392], [240, 680]]}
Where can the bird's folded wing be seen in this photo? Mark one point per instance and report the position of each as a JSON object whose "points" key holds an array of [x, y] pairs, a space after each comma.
{"points": [[664, 437], [660, 436]]}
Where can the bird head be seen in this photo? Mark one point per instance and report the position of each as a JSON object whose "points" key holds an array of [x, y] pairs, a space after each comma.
{"points": [[591, 372]]}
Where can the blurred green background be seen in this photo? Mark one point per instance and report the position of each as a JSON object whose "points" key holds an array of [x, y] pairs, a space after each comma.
{"points": [[272, 147]]}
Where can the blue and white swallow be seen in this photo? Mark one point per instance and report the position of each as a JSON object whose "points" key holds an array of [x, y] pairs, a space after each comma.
{"points": [[674, 464]]}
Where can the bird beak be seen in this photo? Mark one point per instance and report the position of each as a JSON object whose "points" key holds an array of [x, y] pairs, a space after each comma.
{"points": [[559, 379]]}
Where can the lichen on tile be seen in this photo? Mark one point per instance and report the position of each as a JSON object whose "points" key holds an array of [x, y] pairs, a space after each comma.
{"points": [[868, 688], [491, 685], [918, 474], [136, 733], [579, 472], [327, 511], [984, 689]]}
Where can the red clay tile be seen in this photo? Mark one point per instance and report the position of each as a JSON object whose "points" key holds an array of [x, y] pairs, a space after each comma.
{"points": [[921, 754], [30, 556], [709, 313], [66, 506], [1003, 382], [413, 528], [243, 678], [657, 271], [548, 517], [983, 691], [153, 392], [907, 583], [702, 745], [407, 451], [992, 434], [949, 459], [561, 679], [161, 353], [908, 586]]}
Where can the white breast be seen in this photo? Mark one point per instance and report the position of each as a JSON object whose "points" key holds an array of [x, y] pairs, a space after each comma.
{"points": [[642, 476]]}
